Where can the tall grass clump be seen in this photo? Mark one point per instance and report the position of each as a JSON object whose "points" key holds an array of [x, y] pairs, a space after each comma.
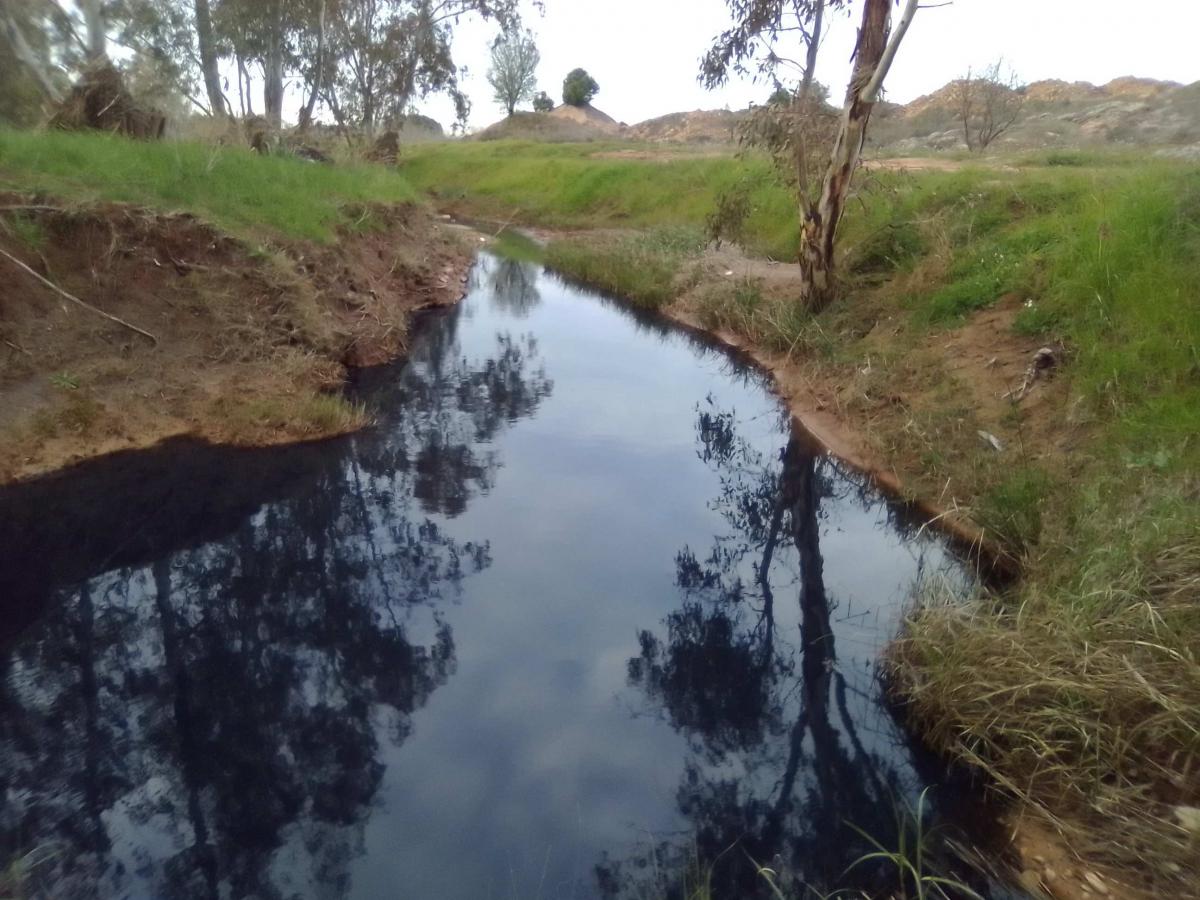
{"points": [[253, 196], [646, 269], [594, 186]]}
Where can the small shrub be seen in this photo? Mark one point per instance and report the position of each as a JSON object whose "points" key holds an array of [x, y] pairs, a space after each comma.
{"points": [[894, 246], [727, 221], [1066, 158]]}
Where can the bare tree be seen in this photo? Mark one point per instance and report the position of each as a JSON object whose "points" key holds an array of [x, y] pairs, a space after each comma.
{"points": [[513, 74], [757, 44], [988, 104]]}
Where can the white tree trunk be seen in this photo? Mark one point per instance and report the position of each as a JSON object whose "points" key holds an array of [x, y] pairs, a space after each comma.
{"points": [[873, 56], [273, 66], [208, 59], [97, 40]]}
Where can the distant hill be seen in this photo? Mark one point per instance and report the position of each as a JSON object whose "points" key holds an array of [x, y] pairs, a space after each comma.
{"points": [[1132, 111], [563, 124], [701, 126], [1126, 111]]}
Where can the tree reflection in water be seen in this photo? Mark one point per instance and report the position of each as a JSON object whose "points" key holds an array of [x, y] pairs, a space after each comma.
{"points": [[202, 718], [514, 286], [787, 746]]}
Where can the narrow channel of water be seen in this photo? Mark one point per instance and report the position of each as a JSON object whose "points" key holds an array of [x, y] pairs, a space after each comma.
{"points": [[578, 611]]}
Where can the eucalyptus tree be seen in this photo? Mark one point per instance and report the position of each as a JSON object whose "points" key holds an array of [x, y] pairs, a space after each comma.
{"points": [[773, 36], [387, 53], [513, 73]]}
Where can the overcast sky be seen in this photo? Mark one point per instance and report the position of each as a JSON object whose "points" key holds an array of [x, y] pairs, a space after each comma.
{"points": [[644, 53]]}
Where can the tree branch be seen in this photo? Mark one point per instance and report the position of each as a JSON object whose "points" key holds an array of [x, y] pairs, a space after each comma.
{"points": [[54, 287], [871, 93]]}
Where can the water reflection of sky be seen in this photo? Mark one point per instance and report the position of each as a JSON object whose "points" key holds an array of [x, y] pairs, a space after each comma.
{"points": [[456, 600]]}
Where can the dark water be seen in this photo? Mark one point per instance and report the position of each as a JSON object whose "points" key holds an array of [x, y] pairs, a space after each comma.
{"points": [[579, 611]]}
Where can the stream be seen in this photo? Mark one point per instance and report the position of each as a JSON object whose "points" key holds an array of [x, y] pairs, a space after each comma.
{"points": [[579, 615]]}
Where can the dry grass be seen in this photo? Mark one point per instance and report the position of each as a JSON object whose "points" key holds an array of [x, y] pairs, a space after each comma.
{"points": [[297, 416], [1082, 699]]}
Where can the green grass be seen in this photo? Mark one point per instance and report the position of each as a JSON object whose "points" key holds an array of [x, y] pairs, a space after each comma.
{"points": [[570, 186], [254, 197], [646, 269]]}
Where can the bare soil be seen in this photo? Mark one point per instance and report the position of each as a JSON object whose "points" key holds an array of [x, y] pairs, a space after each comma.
{"points": [[912, 420], [249, 344]]}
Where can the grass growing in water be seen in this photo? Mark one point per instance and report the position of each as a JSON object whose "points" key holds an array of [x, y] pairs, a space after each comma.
{"points": [[645, 268], [246, 194]]}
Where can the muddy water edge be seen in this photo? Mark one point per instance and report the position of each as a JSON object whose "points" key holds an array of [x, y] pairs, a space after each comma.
{"points": [[584, 614]]}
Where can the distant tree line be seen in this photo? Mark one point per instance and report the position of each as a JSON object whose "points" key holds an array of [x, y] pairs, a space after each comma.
{"points": [[362, 61]]}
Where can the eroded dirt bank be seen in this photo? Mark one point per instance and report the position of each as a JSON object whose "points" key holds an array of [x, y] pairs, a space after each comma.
{"points": [[248, 344]]}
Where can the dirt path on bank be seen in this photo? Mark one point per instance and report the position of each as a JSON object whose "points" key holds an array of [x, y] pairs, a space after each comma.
{"points": [[247, 347]]}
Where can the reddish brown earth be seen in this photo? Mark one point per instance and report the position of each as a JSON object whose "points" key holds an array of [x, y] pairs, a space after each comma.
{"points": [[247, 347]]}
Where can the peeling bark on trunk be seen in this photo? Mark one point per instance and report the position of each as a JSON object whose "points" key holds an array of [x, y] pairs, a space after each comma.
{"points": [[821, 222], [209, 59], [873, 56]]}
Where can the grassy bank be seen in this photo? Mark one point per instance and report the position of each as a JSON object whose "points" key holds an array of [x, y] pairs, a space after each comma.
{"points": [[600, 186], [1078, 690], [252, 283], [231, 187]]}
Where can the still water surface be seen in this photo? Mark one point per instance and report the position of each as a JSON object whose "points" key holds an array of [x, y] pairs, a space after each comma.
{"points": [[579, 609]]}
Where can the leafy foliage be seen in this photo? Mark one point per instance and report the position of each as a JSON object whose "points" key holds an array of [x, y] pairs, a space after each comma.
{"points": [[513, 75], [579, 88], [363, 60]]}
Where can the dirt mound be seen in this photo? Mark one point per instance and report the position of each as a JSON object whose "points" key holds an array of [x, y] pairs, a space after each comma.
{"points": [[1127, 111], [1054, 90], [587, 115], [943, 100], [241, 344], [701, 126], [99, 100], [528, 126], [1130, 87]]}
